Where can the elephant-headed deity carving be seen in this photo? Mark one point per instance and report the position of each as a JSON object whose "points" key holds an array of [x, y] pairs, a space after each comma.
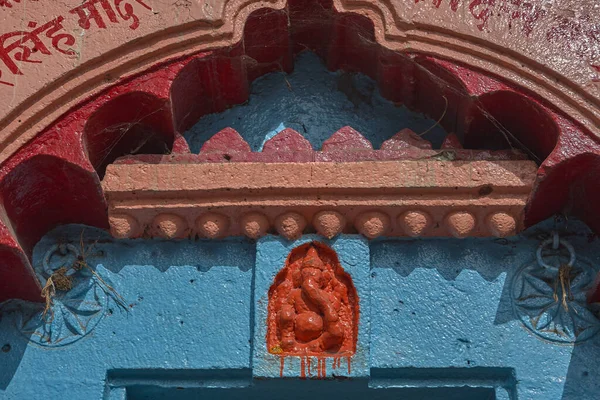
{"points": [[313, 305]]}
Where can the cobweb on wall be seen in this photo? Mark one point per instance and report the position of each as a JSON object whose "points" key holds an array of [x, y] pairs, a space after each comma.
{"points": [[444, 97]]}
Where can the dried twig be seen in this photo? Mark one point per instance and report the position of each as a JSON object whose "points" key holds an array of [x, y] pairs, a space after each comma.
{"points": [[122, 130], [564, 277], [439, 120], [48, 292], [81, 262]]}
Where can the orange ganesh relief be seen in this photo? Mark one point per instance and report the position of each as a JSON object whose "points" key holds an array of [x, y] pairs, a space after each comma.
{"points": [[313, 309]]}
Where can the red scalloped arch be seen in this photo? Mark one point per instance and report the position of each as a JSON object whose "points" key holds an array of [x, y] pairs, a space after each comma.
{"points": [[55, 178]]}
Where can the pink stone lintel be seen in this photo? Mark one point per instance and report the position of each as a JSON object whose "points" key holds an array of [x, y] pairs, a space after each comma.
{"points": [[377, 198]]}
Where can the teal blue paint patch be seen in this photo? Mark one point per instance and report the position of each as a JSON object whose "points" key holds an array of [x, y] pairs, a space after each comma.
{"points": [[309, 100], [356, 389], [500, 381]]}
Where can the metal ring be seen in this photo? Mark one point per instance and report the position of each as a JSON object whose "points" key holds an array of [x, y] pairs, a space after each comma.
{"points": [[563, 242], [48, 270]]}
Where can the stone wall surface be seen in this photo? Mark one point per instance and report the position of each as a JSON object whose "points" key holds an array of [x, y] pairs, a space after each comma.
{"points": [[438, 320]]}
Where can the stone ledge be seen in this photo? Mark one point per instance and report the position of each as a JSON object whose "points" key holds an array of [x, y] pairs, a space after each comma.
{"points": [[391, 198]]}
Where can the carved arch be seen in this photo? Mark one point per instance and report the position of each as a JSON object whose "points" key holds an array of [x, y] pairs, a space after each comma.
{"points": [[224, 28], [165, 66]]}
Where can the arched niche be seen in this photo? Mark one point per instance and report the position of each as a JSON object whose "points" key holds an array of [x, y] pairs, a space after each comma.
{"points": [[132, 123], [313, 306], [504, 118]]}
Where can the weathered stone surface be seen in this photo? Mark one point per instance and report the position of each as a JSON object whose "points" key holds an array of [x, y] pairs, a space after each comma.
{"points": [[292, 194], [554, 48], [500, 74]]}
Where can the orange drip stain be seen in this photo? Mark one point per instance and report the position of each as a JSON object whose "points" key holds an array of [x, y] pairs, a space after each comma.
{"points": [[281, 365], [308, 365], [336, 363], [303, 367], [324, 367], [319, 368], [349, 364]]}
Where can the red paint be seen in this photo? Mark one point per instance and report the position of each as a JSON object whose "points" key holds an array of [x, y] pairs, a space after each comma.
{"points": [[313, 305], [516, 10], [440, 94], [406, 139], [452, 142], [349, 361], [52, 34], [188, 98], [336, 363], [18, 279], [303, 367], [7, 3], [464, 78], [517, 121], [70, 194], [116, 129], [311, 23], [575, 35], [322, 368], [226, 141], [281, 365], [345, 145], [352, 45], [346, 140], [561, 177], [288, 146], [88, 12], [437, 3], [267, 50], [223, 78]]}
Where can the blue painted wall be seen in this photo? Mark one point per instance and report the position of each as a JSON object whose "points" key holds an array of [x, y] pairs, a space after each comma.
{"points": [[437, 323], [316, 103], [188, 308], [447, 303]]}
